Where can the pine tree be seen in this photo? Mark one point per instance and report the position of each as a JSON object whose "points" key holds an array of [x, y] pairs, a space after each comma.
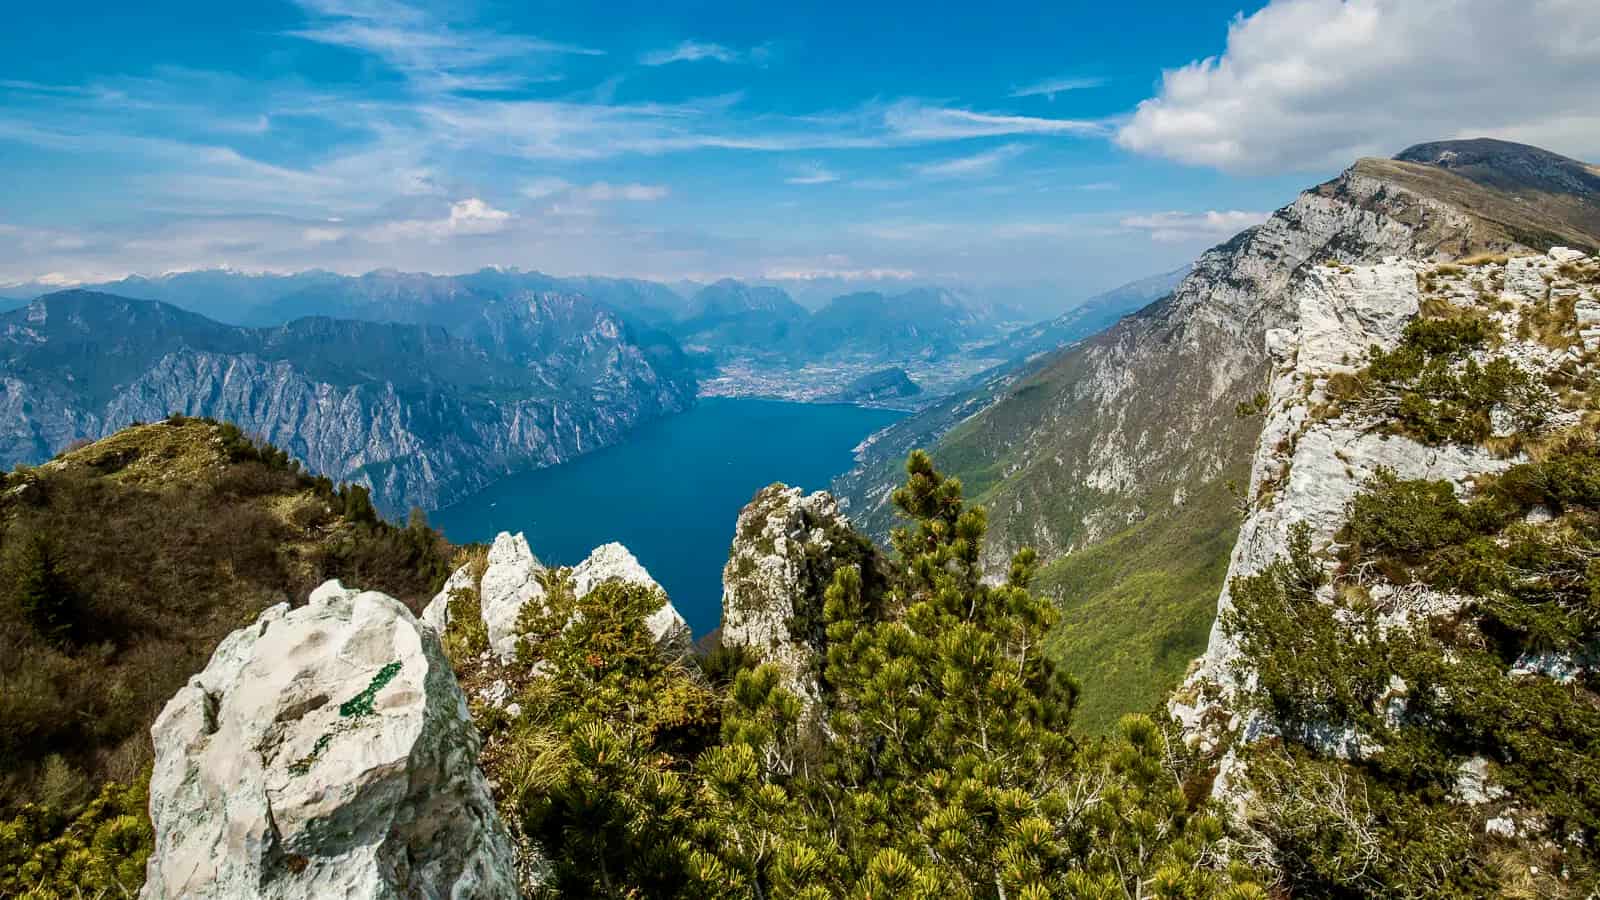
{"points": [[358, 504], [39, 587], [937, 761]]}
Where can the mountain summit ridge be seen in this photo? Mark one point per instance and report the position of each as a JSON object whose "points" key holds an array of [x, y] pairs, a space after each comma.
{"points": [[1132, 435]]}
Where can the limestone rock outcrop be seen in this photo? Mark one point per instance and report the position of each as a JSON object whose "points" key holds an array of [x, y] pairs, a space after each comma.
{"points": [[436, 614], [510, 582], [1314, 456], [324, 751], [514, 578], [785, 550], [613, 562]]}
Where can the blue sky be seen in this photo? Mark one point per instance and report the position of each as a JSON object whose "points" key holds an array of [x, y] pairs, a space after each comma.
{"points": [[1074, 144]]}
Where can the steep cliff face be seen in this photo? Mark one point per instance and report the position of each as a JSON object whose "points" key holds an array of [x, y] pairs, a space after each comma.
{"points": [[416, 414], [1130, 439], [1324, 441], [1404, 650]]}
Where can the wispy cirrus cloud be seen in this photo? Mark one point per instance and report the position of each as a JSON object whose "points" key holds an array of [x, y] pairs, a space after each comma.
{"points": [[468, 148], [978, 165], [918, 121], [812, 173], [1050, 87], [432, 52], [702, 51], [598, 191]]}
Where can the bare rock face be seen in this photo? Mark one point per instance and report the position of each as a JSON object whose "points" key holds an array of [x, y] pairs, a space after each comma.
{"points": [[785, 550], [324, 752], [436, 614], [513, 579], [510, 582]]}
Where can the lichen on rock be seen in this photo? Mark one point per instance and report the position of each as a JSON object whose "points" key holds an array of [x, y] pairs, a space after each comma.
{"points": [[324, 751]]}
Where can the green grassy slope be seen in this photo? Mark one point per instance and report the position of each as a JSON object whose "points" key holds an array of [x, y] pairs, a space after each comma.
{"points": [[1137, 607]]}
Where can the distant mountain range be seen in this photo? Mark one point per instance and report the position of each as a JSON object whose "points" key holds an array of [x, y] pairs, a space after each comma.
{"points": [[731, 319], [425, 387], [750, 339], [419, 413], [385, 295]]}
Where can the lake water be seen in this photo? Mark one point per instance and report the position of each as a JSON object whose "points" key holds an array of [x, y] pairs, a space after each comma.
{"points": [[672, 491]]}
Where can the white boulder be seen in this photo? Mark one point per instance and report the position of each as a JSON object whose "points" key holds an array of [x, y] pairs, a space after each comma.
{"points": [[324, 751], [511, 580], [613, 562]]}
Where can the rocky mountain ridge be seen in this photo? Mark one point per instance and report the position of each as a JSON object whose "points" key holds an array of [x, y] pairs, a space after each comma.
{"points": [[1420, 520], [1318, 446], [1132, 434], [550, 381]]}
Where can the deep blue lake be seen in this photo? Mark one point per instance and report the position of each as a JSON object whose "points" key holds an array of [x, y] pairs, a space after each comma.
{"points": [[672, 491]]}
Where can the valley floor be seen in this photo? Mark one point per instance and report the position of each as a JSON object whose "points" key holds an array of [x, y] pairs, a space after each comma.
{"points": [[813, 382]]}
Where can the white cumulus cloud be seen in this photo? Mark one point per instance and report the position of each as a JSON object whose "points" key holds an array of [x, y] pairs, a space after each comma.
{"points": [[1313, 84], [1174, 227], [471, 216]]}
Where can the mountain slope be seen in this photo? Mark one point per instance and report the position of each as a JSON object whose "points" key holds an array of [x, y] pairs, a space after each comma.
{"points": [[1130, 431], [147, 547], [418, 415], [926, 322], [879, 459], [1090, 317], [731, 314]]}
